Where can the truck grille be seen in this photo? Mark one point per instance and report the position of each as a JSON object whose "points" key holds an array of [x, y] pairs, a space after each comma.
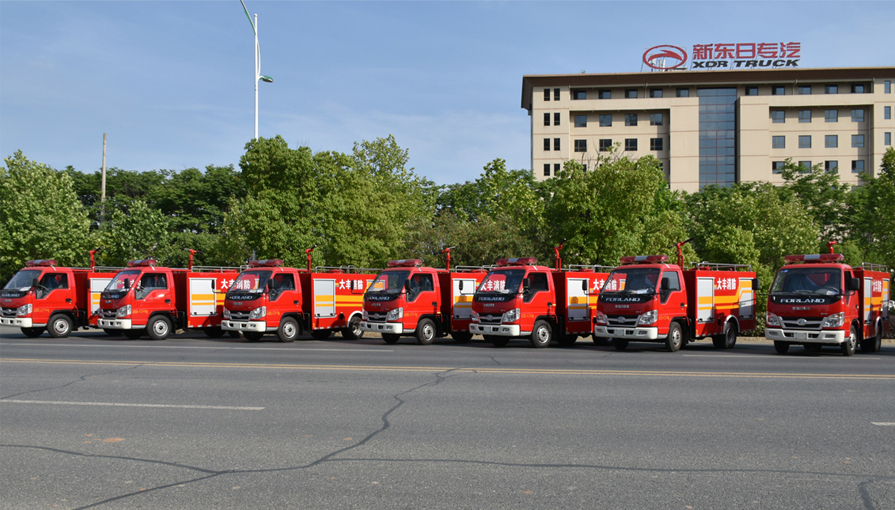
{"points": [[107, 313], [490, 319], [375, 317], [622, 320], [239, 316], [802, 322], [8, 312]]}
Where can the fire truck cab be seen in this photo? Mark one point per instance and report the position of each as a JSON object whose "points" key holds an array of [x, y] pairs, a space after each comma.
{"points": [[818, 300]]}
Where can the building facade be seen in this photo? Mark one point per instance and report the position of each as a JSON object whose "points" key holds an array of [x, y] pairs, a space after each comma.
{"points": [[715, 127]]}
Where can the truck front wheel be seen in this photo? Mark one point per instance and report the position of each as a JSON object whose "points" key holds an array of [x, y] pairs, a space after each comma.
{"points": [[675, 337], [620, 343], [60, 326], [461, 337], [850, 343], [159, 327], [288, 330], [425, 332], [541, 334], [781, 347], [32, 332]]}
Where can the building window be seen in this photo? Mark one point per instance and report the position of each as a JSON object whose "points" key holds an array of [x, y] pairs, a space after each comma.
{"points": [[555, 168], [831, 89], [556, 144], [605, 94], [777, 167], [606, 120], [831, 167], [831, 141], [581, 121], [831, 115], [857, 141], [804, 116], [656, 119], [805, 165], [630, 119], [887, 86], [857, 88], [579, 94], [857, 166], [630, 144], [887, 112], [804, 141], [751, 91], [683, 92], [556, 94], [887, 138], [631, 93], [546, 119], [778, 90], [580, 145], [777, 142], [605, 144], [805, 89], [546, 144], [857, 115], [546, 94], [778, 116], [556, 119], [546, 169], [656, 144], [655, 92]]}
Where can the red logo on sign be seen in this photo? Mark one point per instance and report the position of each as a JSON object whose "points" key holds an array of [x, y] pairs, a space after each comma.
{"points": [[664, 57]]}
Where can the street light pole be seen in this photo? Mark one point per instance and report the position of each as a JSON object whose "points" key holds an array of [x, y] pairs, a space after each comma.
{"points": [[258, 75]]}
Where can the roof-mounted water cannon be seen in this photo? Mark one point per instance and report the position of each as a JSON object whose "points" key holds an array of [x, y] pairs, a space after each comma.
{"points": [[93, 258], [192, 252], [266, 263], [40, 263], [405, 263], [830, 246], [558, 258], [644, 259], [680, 253], [308, 253], [448, 251], [143, 263], [518, 261]]}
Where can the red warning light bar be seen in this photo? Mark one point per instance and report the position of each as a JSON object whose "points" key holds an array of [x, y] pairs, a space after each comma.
{"points": [[829, 258], [518, 261], [142, 263], [405, 263], [266, 263], [644, 259], [40, 263]]}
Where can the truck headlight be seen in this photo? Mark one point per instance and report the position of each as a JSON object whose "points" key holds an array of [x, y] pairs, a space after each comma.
{"points": [[393, 315], [364, 316], [226, 313], [510, 316], [124, 311], [833, 321], [23, 310], [475, 317], [648, 318], [600, 318], [774, 320], [258, 313]]}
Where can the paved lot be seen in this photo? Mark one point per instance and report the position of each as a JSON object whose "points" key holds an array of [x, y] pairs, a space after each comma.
{"points": [[94, 421]]}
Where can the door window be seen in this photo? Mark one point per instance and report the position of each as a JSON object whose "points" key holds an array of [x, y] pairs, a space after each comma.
{"points": [[419, 283]]}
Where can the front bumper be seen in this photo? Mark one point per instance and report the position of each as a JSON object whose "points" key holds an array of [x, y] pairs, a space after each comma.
{"points": [[250, 326], [19, 323], [115, 324], [389, 328], [496, 330], [811, 336], [645, 334]]}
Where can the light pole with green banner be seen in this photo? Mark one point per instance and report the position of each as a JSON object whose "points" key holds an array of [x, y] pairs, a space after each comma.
{"points": [[258, 75]]}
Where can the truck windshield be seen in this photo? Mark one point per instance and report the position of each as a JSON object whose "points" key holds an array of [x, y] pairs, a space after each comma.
{"points": [[505, 281], [641, 280], [22, 280], [389, 282], [251, 281], [117, 283], [808, 280]]}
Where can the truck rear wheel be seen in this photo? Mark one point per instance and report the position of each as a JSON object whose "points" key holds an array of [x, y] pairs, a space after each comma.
{"points": [[781, 347], [850, 343], [32, 332], [425, 332], [461, 337], [729, 338], [675, 338], [541, 334], [288, 330], [620, 343], [59, 326], [874, 343], [353, 331], [159, 327], [390, 338], [321, 334]]}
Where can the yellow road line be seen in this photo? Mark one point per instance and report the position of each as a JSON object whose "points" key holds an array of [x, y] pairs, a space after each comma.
{"points": [[374, 368]]}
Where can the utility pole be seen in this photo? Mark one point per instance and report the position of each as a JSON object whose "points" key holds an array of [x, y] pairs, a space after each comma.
{"points": [[102, 213]]}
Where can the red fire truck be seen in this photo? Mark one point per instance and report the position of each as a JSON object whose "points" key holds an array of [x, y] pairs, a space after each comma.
{"points": [[818, 300], [43, 296], [269, 298], [147, 298], [428, 303], [519, 299], [646, 299]]}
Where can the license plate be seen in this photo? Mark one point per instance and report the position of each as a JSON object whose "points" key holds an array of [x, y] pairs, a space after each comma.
{"points": [[801, 336]]}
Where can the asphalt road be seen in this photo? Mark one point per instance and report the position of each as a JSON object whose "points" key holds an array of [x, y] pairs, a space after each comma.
{"points": [[102, 422]]}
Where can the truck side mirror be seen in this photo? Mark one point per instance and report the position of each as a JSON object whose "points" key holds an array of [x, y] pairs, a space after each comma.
{"points": [[461, 285], [526, 283], [407, 286], [127, 283], [33, 282], [665, 286], [854, 284], [756, 284], [584, 285]]}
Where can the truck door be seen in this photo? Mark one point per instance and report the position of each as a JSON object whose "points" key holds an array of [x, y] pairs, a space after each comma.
{"points": [[202, 298], [97, 285], [462, 309], [705, 297], [577, 299], [324, 298], [52, 286], [422, 292]]}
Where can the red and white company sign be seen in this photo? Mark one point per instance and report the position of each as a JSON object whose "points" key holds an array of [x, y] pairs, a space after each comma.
{"points": [[725, 56]]}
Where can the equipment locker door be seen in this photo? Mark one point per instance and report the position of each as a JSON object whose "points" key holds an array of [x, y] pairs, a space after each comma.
{"points": [[746, 299], [868, 301], [202, 299], [97, 286], [324, 299], [705, 300], [577, 299], [463, 298], [886, 297]]}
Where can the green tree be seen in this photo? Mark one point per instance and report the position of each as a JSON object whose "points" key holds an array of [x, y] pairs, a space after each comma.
{"points": [[871, 215], [41, 216], [821, 193], [140, 232]]}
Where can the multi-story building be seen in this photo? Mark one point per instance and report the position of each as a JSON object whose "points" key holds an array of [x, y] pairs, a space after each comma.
{"points": [[715, 127]]}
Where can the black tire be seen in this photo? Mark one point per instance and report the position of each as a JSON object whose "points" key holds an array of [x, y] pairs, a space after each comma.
{"points": [[620, 343], [111, 332], [213, 332], [718, 341], [814, 347], [602, 342], [874, 343], [675, 338], [159, 327], [781, 347], [252, 336], [288, 330], [461, 337], [32, 332], [729, 338], [567, 340], [541, 334], [425, 332], [60, 326], [498, 341], [233, 334], [851, 343], [353, 331], [132, 334], [390, 338], [321, 334]]}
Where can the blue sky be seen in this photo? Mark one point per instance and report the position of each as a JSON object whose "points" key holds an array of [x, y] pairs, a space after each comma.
{"points": [[171, 83]]}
